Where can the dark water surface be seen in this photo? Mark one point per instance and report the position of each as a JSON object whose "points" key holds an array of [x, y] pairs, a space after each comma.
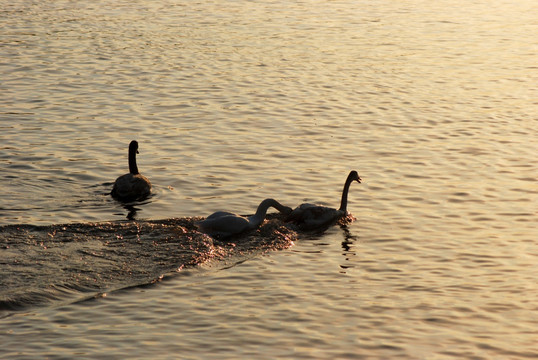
{"points": [[433, 103], [44, 265]]}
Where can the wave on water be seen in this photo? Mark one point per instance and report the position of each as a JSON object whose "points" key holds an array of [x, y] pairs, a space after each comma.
{"points": [[42, 265]]}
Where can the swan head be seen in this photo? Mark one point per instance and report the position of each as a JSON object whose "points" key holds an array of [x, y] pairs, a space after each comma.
{"points": [[354, 176], [133, 147]]}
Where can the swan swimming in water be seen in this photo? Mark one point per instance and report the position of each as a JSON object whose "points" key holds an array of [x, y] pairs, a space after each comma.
{"points": [[131, 186], [311, 216], [223, 224]]}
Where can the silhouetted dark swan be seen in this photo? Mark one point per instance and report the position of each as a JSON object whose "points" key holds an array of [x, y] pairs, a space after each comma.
{"points": [[224, 224], [311, 216], [131, 186]]}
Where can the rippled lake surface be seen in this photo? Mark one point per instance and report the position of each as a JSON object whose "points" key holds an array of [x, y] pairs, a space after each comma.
{"points": [[433, 103]]}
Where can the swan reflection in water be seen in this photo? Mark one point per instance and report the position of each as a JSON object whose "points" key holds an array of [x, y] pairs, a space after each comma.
{"points": [[132, 210], [347, 248]]}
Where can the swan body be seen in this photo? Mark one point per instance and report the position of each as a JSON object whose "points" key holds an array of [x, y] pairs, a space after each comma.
{"points": [[311, 216], [131, 186], [223, 224]]}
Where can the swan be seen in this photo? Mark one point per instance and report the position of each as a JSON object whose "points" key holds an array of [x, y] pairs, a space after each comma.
{"points": [[311, 216], [131, 186], [223, 224]]}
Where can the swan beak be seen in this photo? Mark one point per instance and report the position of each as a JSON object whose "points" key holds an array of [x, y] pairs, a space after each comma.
{"points": [[359, 179], [137, 152]]}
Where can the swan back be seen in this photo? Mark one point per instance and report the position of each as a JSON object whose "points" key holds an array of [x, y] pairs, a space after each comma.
{"points": [[219, 214], [131, 187], [310, 216], [225, 224]]}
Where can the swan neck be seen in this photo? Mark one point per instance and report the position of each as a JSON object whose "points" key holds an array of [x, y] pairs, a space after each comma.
{"points": [[133, 169], [262, 210], [343, 202]]}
